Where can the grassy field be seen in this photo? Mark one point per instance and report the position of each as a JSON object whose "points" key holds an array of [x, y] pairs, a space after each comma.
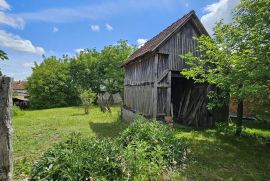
{"points": [[36, 131], [213, 155]]}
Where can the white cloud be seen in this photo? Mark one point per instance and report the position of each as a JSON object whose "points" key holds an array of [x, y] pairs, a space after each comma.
{"points": [[108, 27], [29, 64], [10, 20], [95, 28], [217, 11], [79, 50], [15, 42], [55, 29], [4, 5], [141, 42]]}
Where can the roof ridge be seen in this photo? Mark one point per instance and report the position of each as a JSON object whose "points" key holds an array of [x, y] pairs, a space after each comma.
{"points": [[154, 42]]}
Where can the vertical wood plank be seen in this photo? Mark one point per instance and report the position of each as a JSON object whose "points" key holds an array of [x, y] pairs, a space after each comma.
{"points": [[6, 165], [168, 104], [155, 88]]}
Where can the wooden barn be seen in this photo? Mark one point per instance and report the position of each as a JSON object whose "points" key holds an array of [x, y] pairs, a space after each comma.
{"points": [[153, 84]]}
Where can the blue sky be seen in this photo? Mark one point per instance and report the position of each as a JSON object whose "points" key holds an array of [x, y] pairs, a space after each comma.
{"points": [[31, 28]]}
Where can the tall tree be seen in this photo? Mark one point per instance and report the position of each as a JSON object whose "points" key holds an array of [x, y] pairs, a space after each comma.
{"points": [[112, 57], [237, 58], [100, 71], [50, 85]]}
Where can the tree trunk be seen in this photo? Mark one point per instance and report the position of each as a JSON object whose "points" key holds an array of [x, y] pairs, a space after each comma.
{"points": [[240, 107], [86, 109], [6, 166]]}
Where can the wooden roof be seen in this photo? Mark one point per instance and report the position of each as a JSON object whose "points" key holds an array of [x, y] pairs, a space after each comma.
{"points": [[19, 85], [156, 41]]}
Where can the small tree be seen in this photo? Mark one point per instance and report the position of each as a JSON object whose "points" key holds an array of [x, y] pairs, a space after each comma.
{"points": [[3, 56], [237, 58], [87, 98]]}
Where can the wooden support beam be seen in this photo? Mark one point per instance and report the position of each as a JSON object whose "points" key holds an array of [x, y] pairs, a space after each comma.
{"points": [[168, 104], [6, 163], [155, 87], [163, 75]]}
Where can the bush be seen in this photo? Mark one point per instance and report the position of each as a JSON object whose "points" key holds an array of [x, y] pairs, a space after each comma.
{"points": [[143, 151], [16, 111], [156, 135]]}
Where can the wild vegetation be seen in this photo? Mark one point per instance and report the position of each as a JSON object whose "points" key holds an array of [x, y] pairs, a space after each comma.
{"points": [[213, 153], [237, 58], [143, 151]]}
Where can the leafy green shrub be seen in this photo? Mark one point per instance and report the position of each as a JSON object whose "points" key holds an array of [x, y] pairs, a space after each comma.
{"points": [[155, 134], [79, 159], [16, 111], [142, 152]]}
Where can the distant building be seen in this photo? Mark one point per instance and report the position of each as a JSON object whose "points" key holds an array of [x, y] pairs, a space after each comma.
{"points": [[20, 94]]}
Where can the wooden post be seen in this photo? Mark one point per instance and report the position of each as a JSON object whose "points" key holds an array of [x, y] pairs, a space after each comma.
{"points": [[155, 96], [6, 165], [169, 90]]}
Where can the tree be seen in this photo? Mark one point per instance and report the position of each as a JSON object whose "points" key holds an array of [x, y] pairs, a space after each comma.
{"points": [[112, 57], [84, 70], [3, 56], [237, 58], [87, 97], [50, 85]]}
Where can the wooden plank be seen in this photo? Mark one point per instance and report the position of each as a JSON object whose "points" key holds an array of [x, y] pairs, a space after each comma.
{"points": [[169, 90], [155, 88], [6, 163]]}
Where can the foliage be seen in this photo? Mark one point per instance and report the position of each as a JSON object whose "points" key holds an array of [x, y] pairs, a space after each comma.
{"points": [[16, 111], [38, 130], [112, 57], [237, 58], [139, 157], [3, 56], [157, 135], [79, 159], [56, 82], [50, 85], [226, 127], [100, 71], [218, 156], [84, 70], [212, 155], [87, 97]]}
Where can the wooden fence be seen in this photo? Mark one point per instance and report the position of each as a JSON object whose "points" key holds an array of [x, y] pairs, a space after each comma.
{"points": [[6, 166]]}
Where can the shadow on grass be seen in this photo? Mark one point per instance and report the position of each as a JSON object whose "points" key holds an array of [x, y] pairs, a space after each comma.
{"points": [[108, 129], [218, 156], [79, 114], [265, 126]]}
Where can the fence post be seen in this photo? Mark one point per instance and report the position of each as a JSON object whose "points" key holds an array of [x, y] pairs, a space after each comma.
{"points": [[6, 165]]}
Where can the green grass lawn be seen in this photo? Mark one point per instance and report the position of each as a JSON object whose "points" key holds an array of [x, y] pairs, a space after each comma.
{"points": [[213, 155], [36, 131]]}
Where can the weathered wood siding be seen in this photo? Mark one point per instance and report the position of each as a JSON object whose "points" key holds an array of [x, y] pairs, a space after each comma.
{"points": [[139, 85], [140, 72], [180, 43], [139, 99], [148, 79]]}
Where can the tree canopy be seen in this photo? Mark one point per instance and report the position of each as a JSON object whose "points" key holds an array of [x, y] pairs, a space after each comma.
{"points": [[50, 85], [237, 58], [57, 82]]}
